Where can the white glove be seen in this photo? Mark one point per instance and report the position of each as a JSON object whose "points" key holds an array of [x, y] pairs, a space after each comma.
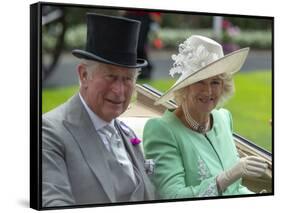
{"points": [[263, 191], [250, 166]]}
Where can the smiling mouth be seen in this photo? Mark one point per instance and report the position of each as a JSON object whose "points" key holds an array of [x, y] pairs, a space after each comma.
{"points": [[114, 102], [206, 100]]}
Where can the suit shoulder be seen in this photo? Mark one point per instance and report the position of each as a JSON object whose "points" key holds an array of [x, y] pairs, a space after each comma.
{"points": [[62, 110], [55, 113]]}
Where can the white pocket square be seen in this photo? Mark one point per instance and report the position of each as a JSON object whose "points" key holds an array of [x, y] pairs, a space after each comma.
{"points": [[149, 165]]}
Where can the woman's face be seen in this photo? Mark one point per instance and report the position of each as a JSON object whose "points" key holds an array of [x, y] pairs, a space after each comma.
{"points": [[203, 96]]}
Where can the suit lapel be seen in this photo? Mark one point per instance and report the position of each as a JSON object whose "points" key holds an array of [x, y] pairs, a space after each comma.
{"points": [[138, 160], [82, 129], [129, 147]]}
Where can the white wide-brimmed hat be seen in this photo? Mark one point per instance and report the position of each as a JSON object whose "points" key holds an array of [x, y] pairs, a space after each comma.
{"points": [[200, 58]]}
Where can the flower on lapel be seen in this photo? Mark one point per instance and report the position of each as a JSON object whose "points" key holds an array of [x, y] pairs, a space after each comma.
{"points": [[135, 141]]}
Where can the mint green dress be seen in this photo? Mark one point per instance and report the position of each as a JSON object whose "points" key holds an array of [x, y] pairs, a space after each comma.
{"points": [[186, 162]]}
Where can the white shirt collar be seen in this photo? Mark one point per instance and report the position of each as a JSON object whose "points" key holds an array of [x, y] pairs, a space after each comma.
{"points": [[96, 120]]}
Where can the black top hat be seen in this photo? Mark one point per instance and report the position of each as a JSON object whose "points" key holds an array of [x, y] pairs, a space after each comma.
{"points": [[112, 40]]}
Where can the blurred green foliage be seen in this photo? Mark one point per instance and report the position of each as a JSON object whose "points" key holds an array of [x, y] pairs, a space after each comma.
{"points": [[257, 39], [174, 27], [203, 20]]}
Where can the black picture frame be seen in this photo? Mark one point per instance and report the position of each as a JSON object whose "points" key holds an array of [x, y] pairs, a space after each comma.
{"points": [[36, 82]]}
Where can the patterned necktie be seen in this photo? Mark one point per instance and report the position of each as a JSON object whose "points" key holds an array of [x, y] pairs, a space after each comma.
{"points": [[118, 149]]}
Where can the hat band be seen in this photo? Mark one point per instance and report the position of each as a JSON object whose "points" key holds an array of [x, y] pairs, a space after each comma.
{"points": [[117, 57]]}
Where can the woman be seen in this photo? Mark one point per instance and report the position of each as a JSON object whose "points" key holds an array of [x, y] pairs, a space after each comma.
{"points": [[192, 145]]}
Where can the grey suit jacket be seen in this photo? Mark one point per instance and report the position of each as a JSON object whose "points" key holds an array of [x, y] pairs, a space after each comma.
{"points": [[75, 170]]}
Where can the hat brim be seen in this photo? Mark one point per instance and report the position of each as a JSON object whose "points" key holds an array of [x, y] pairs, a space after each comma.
{"points": [[230, 63], [90, 56]]}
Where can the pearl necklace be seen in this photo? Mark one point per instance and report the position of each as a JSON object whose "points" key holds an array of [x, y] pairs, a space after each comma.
{"points": [[194, 124]]}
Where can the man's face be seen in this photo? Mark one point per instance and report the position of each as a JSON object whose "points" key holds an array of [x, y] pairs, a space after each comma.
{"points": [[108, 91]]}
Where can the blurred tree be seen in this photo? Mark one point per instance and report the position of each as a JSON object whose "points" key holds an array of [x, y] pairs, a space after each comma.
{"points": [[53, 23], [248, 23], [56, 20], [175, 20], [197, 20]]}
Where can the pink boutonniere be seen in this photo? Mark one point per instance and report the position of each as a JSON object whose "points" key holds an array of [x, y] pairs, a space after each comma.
{"points": [[135, 141]]}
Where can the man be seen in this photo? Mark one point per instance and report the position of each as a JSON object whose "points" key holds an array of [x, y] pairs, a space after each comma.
{"points": [[87, 154]]}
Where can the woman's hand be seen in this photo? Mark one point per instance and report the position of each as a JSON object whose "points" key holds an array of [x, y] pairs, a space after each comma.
{"points": [[250, 166]]}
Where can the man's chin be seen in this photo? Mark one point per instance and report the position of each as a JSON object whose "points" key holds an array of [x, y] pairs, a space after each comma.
{"points": [[114, 114]]}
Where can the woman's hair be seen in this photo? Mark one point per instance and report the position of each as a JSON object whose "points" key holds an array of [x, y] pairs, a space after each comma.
{"points": [[227, 93]]}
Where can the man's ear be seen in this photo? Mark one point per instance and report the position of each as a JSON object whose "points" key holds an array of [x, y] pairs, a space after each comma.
{"points": [[83, 74]]}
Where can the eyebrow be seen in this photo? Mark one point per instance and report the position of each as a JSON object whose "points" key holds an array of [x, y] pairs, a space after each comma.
{"points": [[116, 73], [216, 79]]}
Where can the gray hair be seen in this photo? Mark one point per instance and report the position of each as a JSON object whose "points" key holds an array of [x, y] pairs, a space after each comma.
{"points": [[227, 93], [91, 67]]}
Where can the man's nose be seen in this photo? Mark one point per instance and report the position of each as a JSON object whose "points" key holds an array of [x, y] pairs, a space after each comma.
{"points": [[118, 86]]}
